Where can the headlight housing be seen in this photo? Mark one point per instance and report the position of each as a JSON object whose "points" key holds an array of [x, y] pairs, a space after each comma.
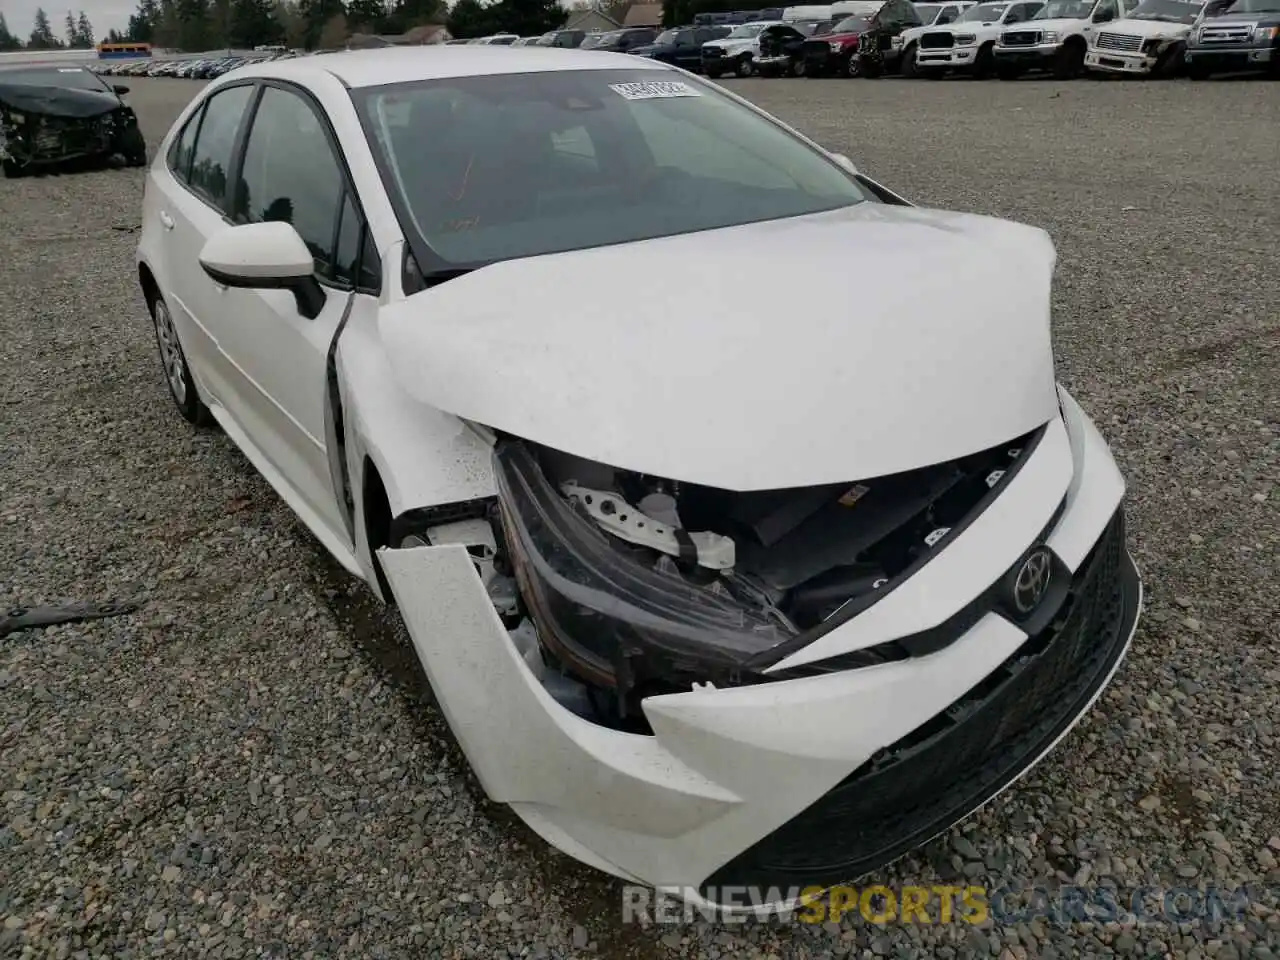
{"points": [[1050, 36], [966, 39], [1266, 33]]}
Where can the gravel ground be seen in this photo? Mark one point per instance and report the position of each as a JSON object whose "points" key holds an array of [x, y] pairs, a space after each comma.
{"points": [[250, 765]]}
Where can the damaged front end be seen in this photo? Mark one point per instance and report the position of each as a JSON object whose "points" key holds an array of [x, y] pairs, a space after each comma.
{"points": [[702, 688], [44, 125], [641, 586]]}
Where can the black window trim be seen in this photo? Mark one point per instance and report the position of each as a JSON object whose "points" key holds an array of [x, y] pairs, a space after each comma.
{"points": [[238, 144]]}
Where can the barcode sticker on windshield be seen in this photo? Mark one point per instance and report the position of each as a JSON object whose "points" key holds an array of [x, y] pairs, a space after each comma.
{"points": [[654, 90]]}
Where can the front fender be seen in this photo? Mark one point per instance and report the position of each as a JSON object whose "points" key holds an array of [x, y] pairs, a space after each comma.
{"points": [[423, 456]]}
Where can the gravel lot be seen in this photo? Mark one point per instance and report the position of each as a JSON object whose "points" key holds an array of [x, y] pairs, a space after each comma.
{"points": [[251, 766]]}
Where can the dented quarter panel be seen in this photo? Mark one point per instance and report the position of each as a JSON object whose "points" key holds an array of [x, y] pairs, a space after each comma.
{"points": [[425, 457], [718, 393]]}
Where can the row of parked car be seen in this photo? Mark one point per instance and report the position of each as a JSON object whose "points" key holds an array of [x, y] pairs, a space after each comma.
{"points": [[1006, 39], [933, 38], [198, 68]]}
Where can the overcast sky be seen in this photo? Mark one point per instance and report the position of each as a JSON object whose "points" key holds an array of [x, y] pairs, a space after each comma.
{"points": [[103, 14]]}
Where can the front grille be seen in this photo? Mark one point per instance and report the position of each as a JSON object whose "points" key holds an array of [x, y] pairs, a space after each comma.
{"points": [[1021, 38], [710, 53], [1215, 36], [937, 41], [1119, 41], [816, 49], [920, 785]]}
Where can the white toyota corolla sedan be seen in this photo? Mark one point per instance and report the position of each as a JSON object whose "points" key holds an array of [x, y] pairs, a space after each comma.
{"points": [[722, 581]]}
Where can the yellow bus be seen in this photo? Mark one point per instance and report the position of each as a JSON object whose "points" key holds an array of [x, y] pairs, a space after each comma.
{"points": [[123, 51]]}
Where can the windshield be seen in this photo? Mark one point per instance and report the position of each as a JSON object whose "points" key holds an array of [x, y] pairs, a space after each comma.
{"points": [[73, 78], [1169, 11], [1065, 10], [1255, 6], [667, 38], [592, 40], [488, 168], [984, 13], [852, 25], [745, 31], [928, 11]]}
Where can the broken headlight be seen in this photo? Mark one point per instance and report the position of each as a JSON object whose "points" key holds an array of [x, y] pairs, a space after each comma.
{"points": [[616, 623]]}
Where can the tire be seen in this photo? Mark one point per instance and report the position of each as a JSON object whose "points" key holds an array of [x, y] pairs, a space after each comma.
{"points": [[177, 374], [984, 63], [1069, 62], [797, 68], [853, 66], [744, 67], [12, 171], [1170, 63], [712, 74], [908, 64]]}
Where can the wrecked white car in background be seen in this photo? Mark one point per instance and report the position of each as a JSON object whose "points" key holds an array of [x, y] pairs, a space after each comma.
{"points": [[715, 588], [1152, 39]]}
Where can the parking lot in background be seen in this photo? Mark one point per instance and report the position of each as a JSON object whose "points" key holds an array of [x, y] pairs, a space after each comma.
{"points": [[251, 764]]}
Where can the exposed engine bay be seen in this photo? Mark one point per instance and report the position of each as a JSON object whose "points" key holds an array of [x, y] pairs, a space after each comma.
{"points": [[618, 585]]}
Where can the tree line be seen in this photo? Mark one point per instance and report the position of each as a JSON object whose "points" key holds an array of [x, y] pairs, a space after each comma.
{"points": [[78, 34]]}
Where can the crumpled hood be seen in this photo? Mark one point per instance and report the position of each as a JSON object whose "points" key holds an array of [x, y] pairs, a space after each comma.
{"points": [[733, 46], [729, 358], [54, 101], [1145, 29]]}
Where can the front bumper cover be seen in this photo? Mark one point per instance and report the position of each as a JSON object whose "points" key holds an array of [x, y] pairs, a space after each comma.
{"points": [[807, 781]]}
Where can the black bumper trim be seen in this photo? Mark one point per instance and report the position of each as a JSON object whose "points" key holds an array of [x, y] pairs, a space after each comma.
{"points": [[938, 774]]}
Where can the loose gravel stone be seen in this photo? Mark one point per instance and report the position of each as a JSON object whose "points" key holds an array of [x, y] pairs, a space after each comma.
{"points": [[252, 765]]}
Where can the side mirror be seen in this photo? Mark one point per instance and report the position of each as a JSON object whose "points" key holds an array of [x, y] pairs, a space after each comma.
{"points": [[120, 88], [265, 256], [845, 162]]}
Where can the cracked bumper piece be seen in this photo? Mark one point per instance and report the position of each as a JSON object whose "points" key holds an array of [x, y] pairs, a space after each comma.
{"points": [[816, 780]]}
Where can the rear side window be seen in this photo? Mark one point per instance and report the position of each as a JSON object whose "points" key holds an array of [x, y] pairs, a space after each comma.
{"points": [[180, 151], [211, 157]]}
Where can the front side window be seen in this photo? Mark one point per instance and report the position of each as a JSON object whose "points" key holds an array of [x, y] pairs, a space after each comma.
{"points": [[290, 173], [1065, 10], [211, 155], [984, 13], [493, 167]]}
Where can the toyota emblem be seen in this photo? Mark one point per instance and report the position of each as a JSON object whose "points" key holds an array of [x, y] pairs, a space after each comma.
{"points": [[1033, 580]]}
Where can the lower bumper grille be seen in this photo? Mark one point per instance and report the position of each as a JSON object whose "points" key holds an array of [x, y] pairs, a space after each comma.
{"points": [[922, 784], [1119, 41]]}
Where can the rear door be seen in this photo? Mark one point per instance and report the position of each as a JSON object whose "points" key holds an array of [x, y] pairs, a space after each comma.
{"points": [[189, 206]]}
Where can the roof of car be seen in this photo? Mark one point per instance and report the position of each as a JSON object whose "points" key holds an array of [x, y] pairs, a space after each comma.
{"points": [[371, 68]]}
